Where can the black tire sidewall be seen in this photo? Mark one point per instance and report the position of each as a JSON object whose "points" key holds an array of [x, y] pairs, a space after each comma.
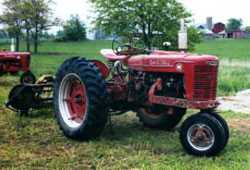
{"points": [[91, 127], [215, 126], [222, 122], [70, 132]]}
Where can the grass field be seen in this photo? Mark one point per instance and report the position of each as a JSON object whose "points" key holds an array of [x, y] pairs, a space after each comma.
{"points": [[36, 143]]}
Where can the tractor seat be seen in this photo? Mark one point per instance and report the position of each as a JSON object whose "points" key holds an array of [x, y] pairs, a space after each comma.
{"points": [[111, 56]]}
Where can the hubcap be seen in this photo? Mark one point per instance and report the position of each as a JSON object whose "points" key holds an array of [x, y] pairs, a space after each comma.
{"points": [[200, 137], [73, 101]]}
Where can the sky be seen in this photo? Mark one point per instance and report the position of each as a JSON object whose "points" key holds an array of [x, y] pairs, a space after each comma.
{"points": [[220, 10]]}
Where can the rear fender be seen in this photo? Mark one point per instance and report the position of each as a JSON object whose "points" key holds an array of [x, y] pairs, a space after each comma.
{"points": [[102, 67]]}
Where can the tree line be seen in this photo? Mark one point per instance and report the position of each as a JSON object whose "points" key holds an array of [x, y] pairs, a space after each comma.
{"points": [[29, 18], [152, 21]]}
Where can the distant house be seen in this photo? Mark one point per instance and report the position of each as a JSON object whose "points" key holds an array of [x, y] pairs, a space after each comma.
{"points": [[219, 27], [237, 34], [210, 30]]}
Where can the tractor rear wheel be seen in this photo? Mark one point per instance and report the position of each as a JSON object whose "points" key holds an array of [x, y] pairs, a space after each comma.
{"points": [[79, 99], [161, 117]]}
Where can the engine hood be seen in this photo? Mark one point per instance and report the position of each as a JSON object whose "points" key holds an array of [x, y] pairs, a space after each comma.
{"points": [[168, 59]]}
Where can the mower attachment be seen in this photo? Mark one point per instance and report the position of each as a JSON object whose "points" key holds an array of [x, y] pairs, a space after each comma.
{"points": [[24, 97]]}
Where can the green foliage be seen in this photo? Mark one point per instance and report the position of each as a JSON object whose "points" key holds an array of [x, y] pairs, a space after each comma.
{"points": [[73, 30], [29, 16], [234, 24], [247, 29], [156, 21], [194, 37], [60, 36], [11, 16]]}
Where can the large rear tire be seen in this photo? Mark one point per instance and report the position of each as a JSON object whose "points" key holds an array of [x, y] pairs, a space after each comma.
{"points": [[79, 99], [161, 117]]}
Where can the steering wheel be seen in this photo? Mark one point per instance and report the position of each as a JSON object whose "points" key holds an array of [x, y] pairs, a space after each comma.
{"points": [[120, 48]]}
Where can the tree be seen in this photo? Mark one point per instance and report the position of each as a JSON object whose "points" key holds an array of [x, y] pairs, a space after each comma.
{"points": [[193, 37], [247, 29], [73, 30], [27, 21], [33, 16], [41, 18], [11, 17], [148, 18], [234, 24]]}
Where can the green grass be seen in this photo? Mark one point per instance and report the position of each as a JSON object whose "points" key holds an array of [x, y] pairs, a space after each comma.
{"points": [[36, 142], [228, 49], [234, 57]]}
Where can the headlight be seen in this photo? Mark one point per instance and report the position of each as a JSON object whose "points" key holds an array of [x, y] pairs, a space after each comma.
{"points": [[179, 67], [213, 63]]}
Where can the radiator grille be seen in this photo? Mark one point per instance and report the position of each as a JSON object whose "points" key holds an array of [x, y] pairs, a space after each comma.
{"points": [[205, 82]]}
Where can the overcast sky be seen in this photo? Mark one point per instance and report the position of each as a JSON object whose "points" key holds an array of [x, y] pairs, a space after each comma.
{"points": [[220, 10]]}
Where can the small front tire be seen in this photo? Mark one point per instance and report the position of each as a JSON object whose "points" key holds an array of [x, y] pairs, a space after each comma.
{"points": [[222, 122], [28, 78], [201, 135]]}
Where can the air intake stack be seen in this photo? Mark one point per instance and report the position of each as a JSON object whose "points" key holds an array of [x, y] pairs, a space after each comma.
{"points": [[183, 37]]}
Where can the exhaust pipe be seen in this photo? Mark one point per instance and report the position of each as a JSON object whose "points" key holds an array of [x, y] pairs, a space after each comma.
{"points": [[183, 37], [12, 45]]}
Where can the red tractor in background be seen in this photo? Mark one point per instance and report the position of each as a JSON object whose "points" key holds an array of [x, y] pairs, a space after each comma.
{"points": [[14, 62], [158, 85]]}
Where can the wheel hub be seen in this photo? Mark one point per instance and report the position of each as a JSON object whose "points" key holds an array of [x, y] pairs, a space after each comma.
{"points": [[77, 101], [201, 137], [74, 100]]}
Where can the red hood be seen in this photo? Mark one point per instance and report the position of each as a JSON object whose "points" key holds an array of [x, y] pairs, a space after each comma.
{"points": [[169, 59], [9, 53], [182, 56]]}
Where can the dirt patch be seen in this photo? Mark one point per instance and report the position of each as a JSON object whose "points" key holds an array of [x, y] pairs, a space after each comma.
{"points": [[238, 103], [240, 124]]}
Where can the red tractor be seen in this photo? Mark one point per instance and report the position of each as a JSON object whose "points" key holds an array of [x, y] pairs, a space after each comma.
{"points": [[13, 62], [158, 85]]}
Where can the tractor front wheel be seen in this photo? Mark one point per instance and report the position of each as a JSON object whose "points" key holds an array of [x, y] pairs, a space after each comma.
{"points": [[79, 99], [161, 117], [203, 135], [28, 78]]}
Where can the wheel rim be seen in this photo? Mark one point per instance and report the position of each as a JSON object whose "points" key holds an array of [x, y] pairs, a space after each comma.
{"points": [[73, 100], [201, 137], [28, 79]]}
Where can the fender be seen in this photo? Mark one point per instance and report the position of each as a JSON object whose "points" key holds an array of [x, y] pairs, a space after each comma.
{"points": [[102, 67]]}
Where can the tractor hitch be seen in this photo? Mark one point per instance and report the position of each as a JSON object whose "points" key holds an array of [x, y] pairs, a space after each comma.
{"points": [[24, 97]]}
